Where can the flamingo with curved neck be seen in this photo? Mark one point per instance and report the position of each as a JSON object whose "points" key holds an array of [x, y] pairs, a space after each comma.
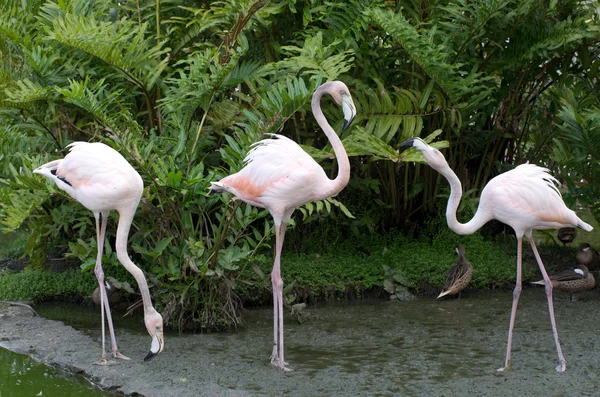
{"points": [[280, 176], [525, 198], [102, 180]]}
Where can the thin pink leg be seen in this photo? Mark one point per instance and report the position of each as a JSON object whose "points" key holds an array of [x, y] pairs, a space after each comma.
{"points": [[100, 277], [562, 363], [100, 233], [513, 312], [277, 355]]}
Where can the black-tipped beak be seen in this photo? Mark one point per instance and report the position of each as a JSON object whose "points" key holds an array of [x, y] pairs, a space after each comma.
{"points": [[349, 111], [408, 142], [150, 356], [346, 124]]}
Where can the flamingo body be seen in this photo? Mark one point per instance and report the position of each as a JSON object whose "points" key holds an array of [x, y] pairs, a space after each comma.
{"points": [[97, 176], [526, 198], [279, 176]]}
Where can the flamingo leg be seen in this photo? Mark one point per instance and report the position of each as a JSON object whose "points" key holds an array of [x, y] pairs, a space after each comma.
{"points": [[277, 355], [562, 363], [104, 306], [513, 312]]}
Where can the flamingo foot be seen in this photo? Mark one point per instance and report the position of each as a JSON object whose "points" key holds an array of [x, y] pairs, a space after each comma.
{"points": [[105, 361], [118, 355], [506, 366], [562, 366], [281, 365]]}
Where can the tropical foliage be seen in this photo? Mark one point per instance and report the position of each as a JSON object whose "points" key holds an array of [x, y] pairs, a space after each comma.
{"points": [[182, 88]]}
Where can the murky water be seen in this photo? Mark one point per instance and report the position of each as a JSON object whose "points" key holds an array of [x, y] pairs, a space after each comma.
{"points": [[419, 348], [23, 376]]}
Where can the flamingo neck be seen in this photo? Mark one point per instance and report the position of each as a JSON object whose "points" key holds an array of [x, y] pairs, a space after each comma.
{"points": [[125, 219], [341, 180], [478, 220]]}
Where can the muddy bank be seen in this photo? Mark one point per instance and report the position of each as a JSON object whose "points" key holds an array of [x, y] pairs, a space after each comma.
{"points": [[418, 348]]}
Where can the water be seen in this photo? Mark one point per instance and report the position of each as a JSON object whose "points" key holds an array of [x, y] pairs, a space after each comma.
{"points": [[424, 347], [21, 376]]}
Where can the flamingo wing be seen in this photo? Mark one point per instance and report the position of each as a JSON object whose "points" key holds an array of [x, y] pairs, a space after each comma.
{"points": [[527, 197], [278, 175], [98, 176]]}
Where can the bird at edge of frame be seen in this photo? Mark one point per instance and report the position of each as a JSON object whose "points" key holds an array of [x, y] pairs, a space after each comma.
{"points": [[572, 281], [100, 179], [279, 175], [525, 198], [458, 276]]}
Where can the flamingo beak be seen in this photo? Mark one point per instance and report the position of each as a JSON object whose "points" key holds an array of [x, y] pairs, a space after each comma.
{"points": [[418, 144], [349, 111], [157, 345], [408, 142]]}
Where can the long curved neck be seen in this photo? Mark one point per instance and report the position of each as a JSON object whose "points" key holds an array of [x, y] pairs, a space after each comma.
{"points": [[478, 220], [125, 219], [343, 176]]}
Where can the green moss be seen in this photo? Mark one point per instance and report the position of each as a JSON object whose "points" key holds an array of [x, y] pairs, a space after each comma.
{"points": [[356, 266], [346, 269], [39, 285]]}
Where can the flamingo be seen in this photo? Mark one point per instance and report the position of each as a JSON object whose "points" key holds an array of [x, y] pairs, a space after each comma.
{"points": [[102, 180], [525, 198], [279, 176]]}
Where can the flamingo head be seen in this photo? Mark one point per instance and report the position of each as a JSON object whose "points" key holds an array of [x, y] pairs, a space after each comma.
{"points": [[154, 325], [434, 157], [341, 95]]}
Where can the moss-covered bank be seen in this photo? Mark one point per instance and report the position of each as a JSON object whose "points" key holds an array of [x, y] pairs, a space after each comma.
{"points": [[346, 270]]}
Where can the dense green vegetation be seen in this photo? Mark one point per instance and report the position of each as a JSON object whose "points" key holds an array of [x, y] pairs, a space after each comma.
{"points": [[42, 285], [182, 88]]}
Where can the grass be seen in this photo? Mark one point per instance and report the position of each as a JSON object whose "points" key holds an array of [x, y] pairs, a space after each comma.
{"points": [[350, 268]]}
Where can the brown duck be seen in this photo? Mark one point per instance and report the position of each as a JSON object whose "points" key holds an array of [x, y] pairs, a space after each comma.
{"points": [[588, 257], [112, 293], [572, 280], [566, 234], [458, 276]]}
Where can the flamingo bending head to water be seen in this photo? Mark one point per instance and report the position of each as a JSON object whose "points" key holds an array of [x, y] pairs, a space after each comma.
{"points": [[525, 198], [280, 176], [102, 180]]}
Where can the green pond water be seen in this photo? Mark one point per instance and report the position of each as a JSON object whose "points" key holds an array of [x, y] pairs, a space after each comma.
{"points": [[21, 376]]}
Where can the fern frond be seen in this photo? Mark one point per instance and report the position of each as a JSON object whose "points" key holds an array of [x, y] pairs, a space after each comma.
{"points": [[101, 103], [315, 59], [468, 88], [22, 94], [122, 45]]}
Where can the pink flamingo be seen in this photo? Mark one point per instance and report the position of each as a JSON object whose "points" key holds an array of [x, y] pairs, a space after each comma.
{"points": [[102, 180], [280, 176], [525, 198]]}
